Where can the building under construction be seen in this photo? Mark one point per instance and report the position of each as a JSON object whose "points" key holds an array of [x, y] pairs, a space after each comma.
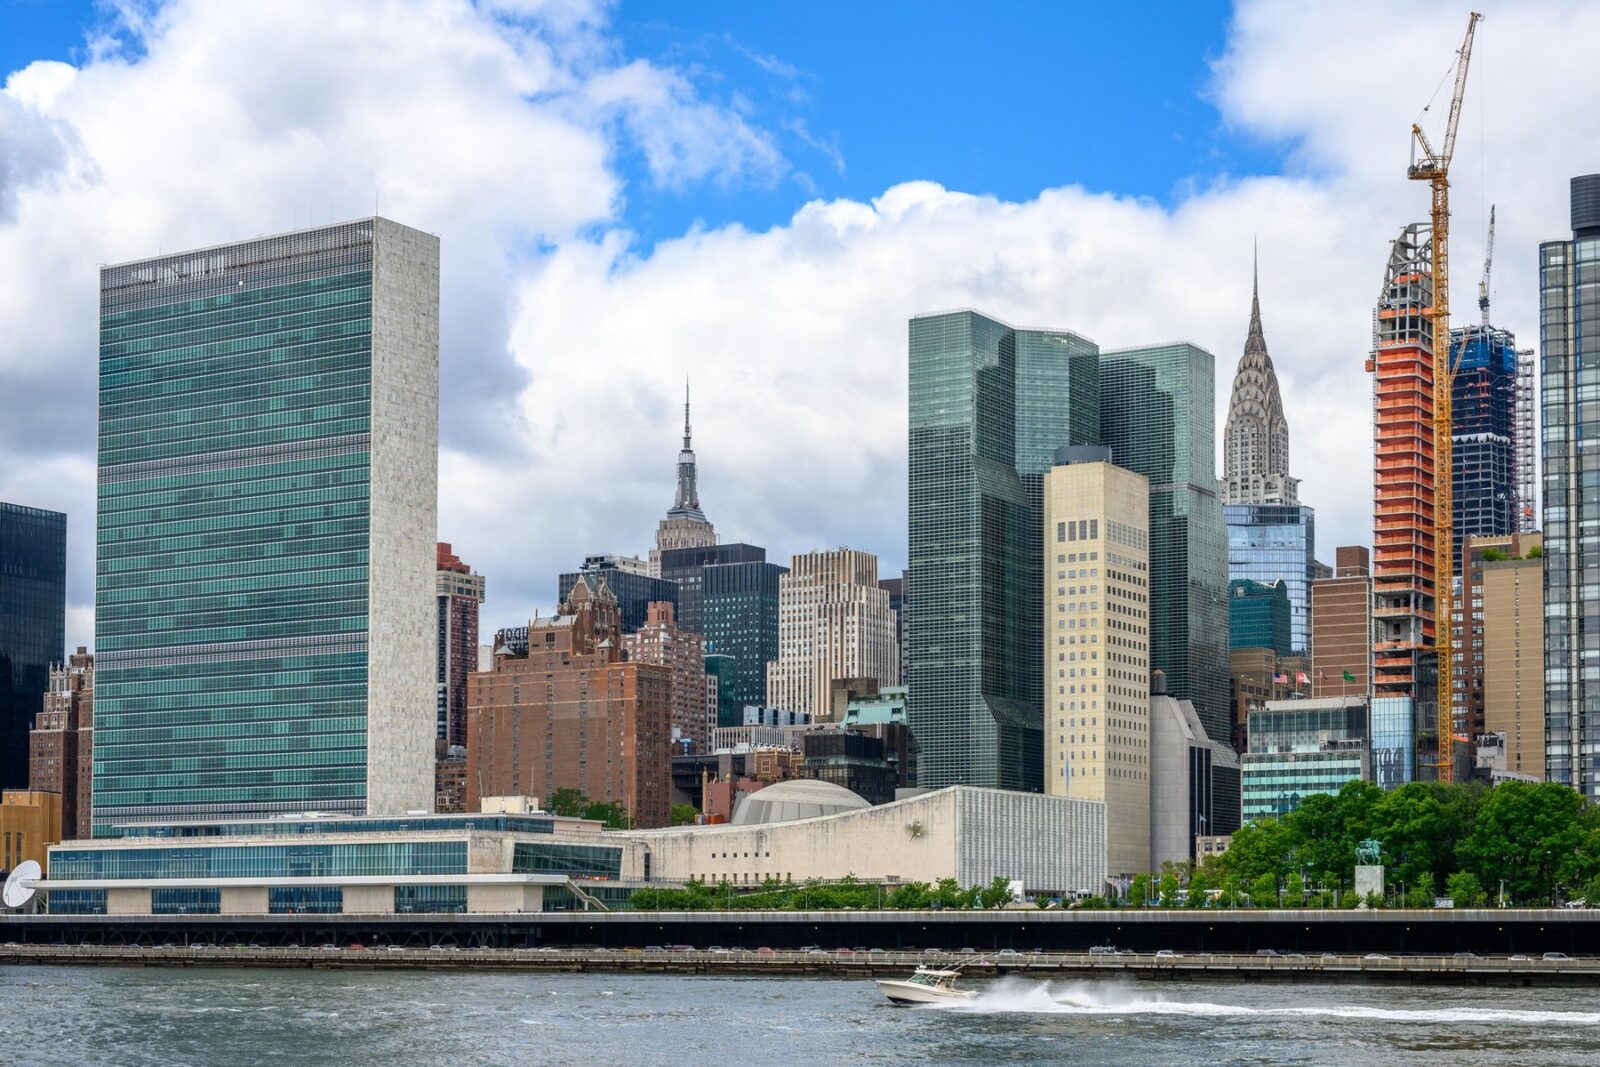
{"points": [[1404, 720]]}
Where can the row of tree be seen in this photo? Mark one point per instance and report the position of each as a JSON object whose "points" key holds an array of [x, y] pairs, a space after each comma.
{"points": [[1534, 842], [846, 894]]}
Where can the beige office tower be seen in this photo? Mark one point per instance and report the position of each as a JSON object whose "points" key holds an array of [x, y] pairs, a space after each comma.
{"points": [[1513, 654], [834, 622], [1097, 652]]}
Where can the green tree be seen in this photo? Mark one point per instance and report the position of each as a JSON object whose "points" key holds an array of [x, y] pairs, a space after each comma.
{"points": [[1139, 890], [1294, 891], [1530, 835], [1232, 892], [611, 813], [909, 896], [1199, 887], [1464, 889], [1169, 890], [684, 814], [995, 894], [1264, 890], [568, 802], [1420, 894]]}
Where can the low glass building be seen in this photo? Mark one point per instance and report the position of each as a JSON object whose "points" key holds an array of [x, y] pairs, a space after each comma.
{"points": [[1302, 747], [500, 863]]}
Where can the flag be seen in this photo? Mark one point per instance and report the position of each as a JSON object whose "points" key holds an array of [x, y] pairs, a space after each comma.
{"points": [[1349, 677], [1322, 676], [1301, 679], [1280, 679]]}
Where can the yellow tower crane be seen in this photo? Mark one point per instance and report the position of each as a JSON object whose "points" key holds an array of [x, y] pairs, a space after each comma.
{"points": [[1434, 168]]}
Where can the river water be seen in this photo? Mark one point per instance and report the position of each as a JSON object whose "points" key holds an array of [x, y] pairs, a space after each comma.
{"points": [[218, 1017]]}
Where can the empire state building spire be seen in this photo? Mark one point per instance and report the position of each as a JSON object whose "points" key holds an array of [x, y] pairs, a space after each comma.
{"points": [[1255, 455], [688, 500], [685, 526]]}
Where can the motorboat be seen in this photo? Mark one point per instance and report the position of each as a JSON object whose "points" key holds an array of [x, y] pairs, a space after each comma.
{"points": [[927, 986]]}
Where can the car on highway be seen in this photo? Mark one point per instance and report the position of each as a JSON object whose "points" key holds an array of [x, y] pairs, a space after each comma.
{"points": [[1009, 952], [1465, 956], [395, 948], [1168, 954], [682, 948], [765, 951], [1377, 956], [1553, 956], [1518, 958], [1103, 950], [933, 952]]}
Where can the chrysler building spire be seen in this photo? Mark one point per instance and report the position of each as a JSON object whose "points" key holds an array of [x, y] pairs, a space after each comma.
{"points": [[1255, 457]]}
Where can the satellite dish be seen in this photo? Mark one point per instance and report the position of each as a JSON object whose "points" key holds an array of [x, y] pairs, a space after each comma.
{"points": [[19, 887]]}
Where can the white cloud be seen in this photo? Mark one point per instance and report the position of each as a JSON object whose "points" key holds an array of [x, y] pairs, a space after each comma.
{"points": [[566, 348]]}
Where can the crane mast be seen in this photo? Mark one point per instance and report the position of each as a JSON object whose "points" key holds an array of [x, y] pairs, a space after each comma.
{"points": [[1434, 168], [1488, 266]]}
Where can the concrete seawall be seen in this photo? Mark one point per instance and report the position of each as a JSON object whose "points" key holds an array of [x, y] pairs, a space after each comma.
{"points": [[1168, 967]]}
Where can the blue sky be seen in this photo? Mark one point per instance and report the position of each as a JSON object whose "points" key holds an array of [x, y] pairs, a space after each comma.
{"points": [[758, 195], [1004, 99]]}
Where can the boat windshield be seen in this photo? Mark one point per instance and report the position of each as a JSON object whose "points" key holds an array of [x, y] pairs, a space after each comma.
{"points": [[923, 978]]}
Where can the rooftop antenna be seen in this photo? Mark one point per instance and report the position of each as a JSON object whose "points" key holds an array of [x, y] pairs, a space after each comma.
{"points": [[20, 886]]}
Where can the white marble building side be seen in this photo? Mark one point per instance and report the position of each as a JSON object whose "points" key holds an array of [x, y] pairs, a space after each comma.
{"points": [[404, 495]]}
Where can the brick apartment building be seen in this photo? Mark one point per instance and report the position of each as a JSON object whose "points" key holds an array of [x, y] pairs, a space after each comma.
{"points": [[563, 709], [61, 744]]}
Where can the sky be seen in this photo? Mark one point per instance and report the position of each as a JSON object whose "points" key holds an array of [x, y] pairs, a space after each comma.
{"points": [[757, 197]]}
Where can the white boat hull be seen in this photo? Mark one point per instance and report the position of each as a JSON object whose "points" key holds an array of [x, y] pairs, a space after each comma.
{"points": [[912, 993]]}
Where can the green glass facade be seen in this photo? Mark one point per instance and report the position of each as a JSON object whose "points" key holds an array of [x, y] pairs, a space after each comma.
{"points": [[989, 405], [740, 616], [1158, 417], [234, 584], [1259, 616]]}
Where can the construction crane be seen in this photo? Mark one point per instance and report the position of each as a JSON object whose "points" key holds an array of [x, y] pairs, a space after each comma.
{"points": [[1434, 168], [1488, 266]]}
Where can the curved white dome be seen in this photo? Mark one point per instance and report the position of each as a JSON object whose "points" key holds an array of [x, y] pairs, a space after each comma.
{"points": [[798, 798]]}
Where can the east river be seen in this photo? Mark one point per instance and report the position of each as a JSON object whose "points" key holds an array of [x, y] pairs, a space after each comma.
{"points": [[217, 1017]]}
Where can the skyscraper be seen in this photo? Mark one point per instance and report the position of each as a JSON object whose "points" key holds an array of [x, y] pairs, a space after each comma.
{"points": [[1513, 663], [834, 624], [1341, 616], [685, 526], [1255, 439], [685, 569], [458, 594], [741, 621], [1271, 535], [1157, 415], [265, 608], [1097, 673], [1404, 719], [1483, 428], [1258, 616], [1569, 337], [989, 404], [33, 620]]}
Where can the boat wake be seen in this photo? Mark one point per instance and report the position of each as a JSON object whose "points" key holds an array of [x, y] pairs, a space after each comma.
{"points": [[1082, 998]]}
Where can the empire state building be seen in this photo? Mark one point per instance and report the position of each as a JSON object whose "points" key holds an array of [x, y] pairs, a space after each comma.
{"points": [[685, 526]]}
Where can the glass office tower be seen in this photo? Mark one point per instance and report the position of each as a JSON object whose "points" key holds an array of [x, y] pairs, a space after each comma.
{"points": [[1158, 417], [740, 613], [1569, 298], [33, 613], [1270, 543], [1483, 430], [989, 405], [268, 477]]}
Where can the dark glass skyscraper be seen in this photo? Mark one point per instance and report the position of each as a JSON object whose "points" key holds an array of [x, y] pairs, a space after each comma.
{"points": [[33, 614], [989, 405], [1483, 428], [1569, 299], [684, 566], [1258, 615], [1158, 416], [265, 612], [741, 621]]}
